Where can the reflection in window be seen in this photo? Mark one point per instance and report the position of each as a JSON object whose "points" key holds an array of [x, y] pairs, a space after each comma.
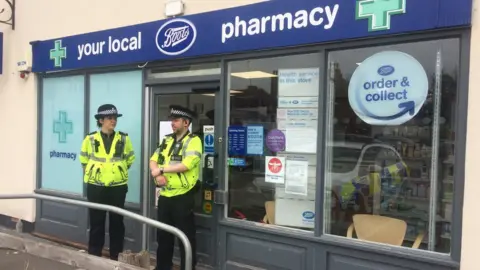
{"points": [[380, 180], [272, 138]]}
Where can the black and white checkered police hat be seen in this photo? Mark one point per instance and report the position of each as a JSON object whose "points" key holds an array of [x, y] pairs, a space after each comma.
{"points": [[181, 112], [107, 110]]}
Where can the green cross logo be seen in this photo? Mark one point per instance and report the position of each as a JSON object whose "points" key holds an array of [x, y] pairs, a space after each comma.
{"points": [[62, 127], [58, 53], [379, 12]]}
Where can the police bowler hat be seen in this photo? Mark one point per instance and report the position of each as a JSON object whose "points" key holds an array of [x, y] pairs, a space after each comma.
{"points": [[181, 112], [107, 110]]}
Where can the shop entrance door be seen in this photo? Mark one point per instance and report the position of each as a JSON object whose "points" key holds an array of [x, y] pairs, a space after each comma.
{"points": [[203, 99]]}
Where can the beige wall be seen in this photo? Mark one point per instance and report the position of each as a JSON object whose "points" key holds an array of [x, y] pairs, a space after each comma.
{"points": [[40, 20], [471, 218]]}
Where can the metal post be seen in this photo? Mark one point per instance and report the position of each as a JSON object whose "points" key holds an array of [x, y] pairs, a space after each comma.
{"points": [[435, 152], [146, 198], [162, 226]]}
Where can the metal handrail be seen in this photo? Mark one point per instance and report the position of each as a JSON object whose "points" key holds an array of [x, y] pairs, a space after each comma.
{"points": [[159, 225]]}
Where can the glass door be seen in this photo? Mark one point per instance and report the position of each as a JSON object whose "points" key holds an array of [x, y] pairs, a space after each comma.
{"points": [[202, 99]]}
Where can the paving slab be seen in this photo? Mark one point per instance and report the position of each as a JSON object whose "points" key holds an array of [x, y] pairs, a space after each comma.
{"points": [[17, 260]]}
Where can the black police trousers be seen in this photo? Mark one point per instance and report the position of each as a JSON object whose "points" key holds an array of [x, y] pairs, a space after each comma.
{"points": [[114, 196], [176, 211]]}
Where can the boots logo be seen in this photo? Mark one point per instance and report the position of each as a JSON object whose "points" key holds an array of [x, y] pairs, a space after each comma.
{"points": [[176, 36]]}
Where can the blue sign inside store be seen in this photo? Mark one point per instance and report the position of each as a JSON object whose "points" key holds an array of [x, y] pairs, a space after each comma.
{"points": [[237, 141], [255, 140], [208, 144], [264, 25]]}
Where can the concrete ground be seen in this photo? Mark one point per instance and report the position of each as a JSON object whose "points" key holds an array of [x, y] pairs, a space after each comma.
{"points": [[19, 251], [17, 260]]}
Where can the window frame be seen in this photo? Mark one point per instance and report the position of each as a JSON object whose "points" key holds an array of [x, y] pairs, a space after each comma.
{"points": [[453, 258], [86, 127]]}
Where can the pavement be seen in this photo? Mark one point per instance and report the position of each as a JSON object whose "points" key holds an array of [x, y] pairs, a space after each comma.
{"points": [[19, 251], [25, 252], [18, 260]]}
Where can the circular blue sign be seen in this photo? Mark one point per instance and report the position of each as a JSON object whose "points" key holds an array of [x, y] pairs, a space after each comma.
{"points": [[388, 88], [209, 140], [176, 36]]}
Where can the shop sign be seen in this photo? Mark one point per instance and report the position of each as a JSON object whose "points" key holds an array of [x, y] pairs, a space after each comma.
{"points": [[176, 37], [237, 141], [275, 141], [275, 169], [208, 139], [388, 88], [265, 25], [255, 140]]}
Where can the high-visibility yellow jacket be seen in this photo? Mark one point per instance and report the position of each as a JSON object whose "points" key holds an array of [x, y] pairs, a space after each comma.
{"points": [[104, 169], [395, 173], [187, 151]]}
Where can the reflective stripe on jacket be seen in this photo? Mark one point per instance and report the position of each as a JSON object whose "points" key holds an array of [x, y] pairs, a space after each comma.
{"points": [[104, 169], [188, 151]]}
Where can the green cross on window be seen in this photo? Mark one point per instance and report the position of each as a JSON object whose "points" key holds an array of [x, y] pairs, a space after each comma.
{"points": [[58, 53], [379, 12], [62, 127]]}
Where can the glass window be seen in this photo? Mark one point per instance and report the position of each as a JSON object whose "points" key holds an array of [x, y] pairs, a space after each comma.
{"points": [[389, 161], [272, 137], [62, 133], [124, 90]]}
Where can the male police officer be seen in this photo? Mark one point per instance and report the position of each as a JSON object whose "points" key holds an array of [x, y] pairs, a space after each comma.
{"points": [[175, 166], [106, 156]]}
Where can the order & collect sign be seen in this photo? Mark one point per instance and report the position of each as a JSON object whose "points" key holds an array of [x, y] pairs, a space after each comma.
{"points": [[388, 88]]}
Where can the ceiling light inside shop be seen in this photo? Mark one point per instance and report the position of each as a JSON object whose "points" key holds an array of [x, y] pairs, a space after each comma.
{"points": [[232, 92], [253, 75], [358, 64]]}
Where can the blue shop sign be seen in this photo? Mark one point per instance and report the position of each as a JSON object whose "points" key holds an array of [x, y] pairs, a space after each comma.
{"points": [[1, 53], [255, 140], [264, 25], [237, 141]]}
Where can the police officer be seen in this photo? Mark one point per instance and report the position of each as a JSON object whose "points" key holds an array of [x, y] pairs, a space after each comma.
{"points": [[106, 156], [175, 166]]}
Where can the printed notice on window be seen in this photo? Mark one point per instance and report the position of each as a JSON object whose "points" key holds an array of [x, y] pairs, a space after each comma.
{"points": [[301, 140], [274, 169], [296, 177], [302, 82]]}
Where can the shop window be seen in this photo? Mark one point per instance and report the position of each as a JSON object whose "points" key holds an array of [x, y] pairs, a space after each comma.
{"points": [[390, 144], [272, 137], [62, 133], [124, 90]]}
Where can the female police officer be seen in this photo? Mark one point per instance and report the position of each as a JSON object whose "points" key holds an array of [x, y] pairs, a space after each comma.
{"points": [[175, 166], [106, 156]]}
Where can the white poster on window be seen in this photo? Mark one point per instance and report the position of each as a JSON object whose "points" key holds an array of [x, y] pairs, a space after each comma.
{"points": [[296, 177], [295, 114], [302, 82], [298, 102], [285, 124], [165, 128], [301, 140]]}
